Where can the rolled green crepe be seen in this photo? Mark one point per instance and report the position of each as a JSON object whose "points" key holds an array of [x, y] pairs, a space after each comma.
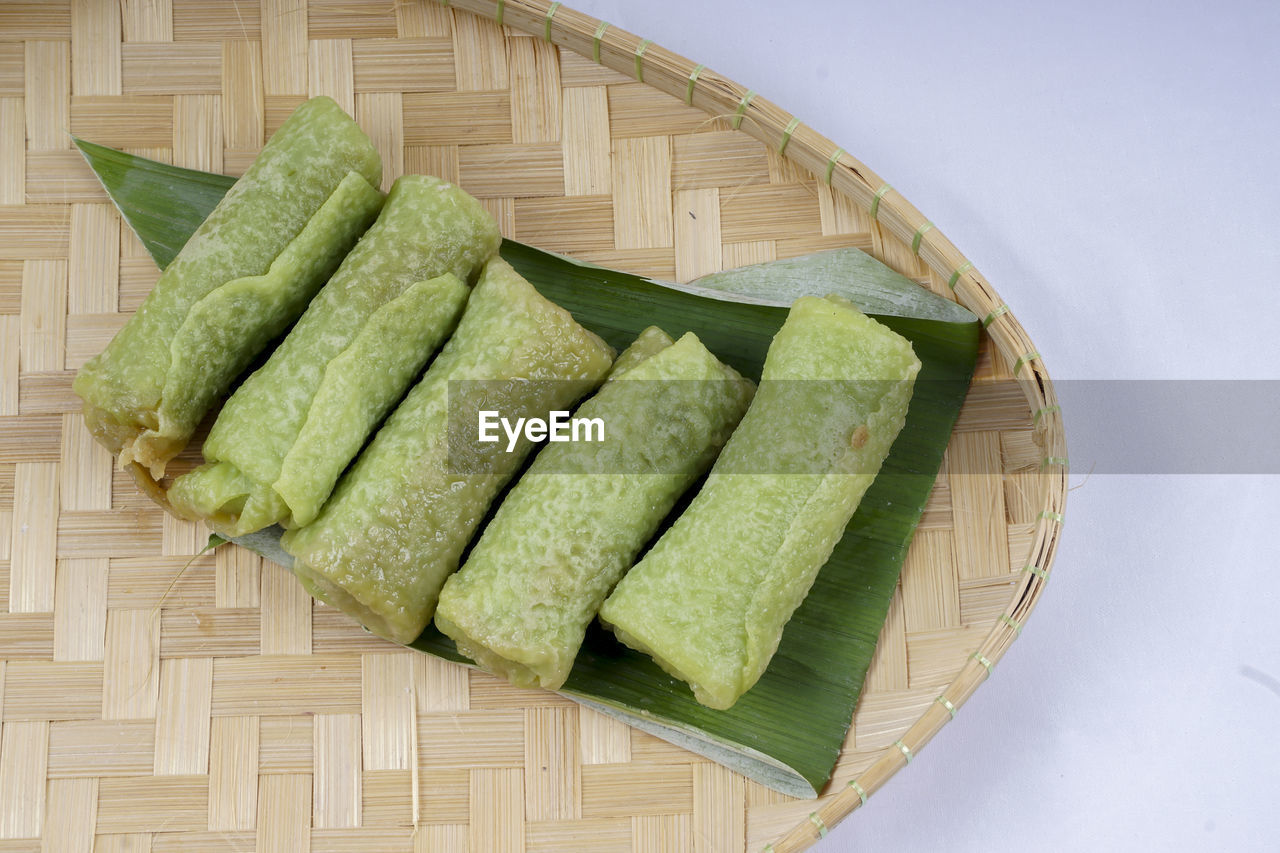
{"points": [[400, 517], [711, 598], [245, 274], [288, 432], [576, 520]]}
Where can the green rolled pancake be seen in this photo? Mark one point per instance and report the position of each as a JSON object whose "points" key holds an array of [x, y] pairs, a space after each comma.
{"points": [[575, 521], [288, 432], [245, 274], [400, 517], [710, 600]]}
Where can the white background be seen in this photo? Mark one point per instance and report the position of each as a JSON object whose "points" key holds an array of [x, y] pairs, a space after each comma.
{"points": [[1111, 168]]}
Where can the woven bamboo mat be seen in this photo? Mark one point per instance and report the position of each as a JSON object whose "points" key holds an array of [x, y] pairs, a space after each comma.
{"points": [[153, 700]]}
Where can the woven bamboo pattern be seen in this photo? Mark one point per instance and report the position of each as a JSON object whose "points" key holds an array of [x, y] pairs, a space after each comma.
{"points": [[158, 698]]}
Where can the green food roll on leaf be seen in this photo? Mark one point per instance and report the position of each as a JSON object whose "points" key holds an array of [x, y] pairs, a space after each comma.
{"points": [[710, 600], [288, 432], [245, 274], [399, 519], [576, 520]]}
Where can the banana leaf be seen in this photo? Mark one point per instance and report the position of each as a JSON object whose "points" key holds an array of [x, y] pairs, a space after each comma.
{"points": [[787, 731]]}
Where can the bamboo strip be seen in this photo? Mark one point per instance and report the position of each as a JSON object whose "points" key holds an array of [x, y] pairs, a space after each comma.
{"points": [[45, 690], [505, 171], [574, 224], [387, 798], [658, 833], [101, 748], [238, 578], [495, 821], [481, 54], [44, 314], [381, 114], [287, 744], [602, 739], [27, 635], [977, 499], [439, 685], [488, 739], [94, 265], [403, 65], [446, 837], [242, 94], [642, 192], [13, 160], [131, 665], [697, 233], [80, 609], [457, 118], [284, 819], [33, 544], [535, 91], [321, 684], [748, 252], [95, 41], [147, 20], [719, 817], [387, 707], [330, 71], [585, 141], [930, 586], [23, 764], [551, 761], [47, 66], [197, 131], [199, 21], [336, 795], [72, 814], [151, 803], [172, 69], [447, 799], [10, 335], [635, 789], [579, 836], [284, 47], [716, 158], [29, 439], [11, 75], [151, 582], [352, 18], [182, 717], [233, 773], [286, 613], [419, 20]]}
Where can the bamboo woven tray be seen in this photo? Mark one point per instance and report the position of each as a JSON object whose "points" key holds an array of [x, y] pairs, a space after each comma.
{"points": [[152, 701]]}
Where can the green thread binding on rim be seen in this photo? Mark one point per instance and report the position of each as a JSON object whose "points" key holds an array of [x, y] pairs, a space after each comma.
{"points": [[1023, 361], [640, 48], [502, 10], [875, 201], [1012, 623], [693, 78], [1043, 574], [960, 270], [991, 318], [786, 135], [595, 42], [948, 704], [904, 749], [859, 790], [1035, 419], [546, 28], [742, 108], [1053, 460], [920, 232], [817, 821], [984, 660], [1052, 516], [831, 163]]}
